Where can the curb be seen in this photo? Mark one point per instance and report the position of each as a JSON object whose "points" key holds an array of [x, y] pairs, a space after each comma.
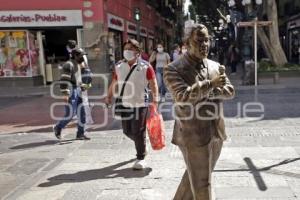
{"points": [[38, 94]]}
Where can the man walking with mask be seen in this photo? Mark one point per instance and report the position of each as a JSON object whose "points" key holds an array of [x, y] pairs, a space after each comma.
{"points": [[71, 83], [198, 86], [71, 45], [135, 96]]}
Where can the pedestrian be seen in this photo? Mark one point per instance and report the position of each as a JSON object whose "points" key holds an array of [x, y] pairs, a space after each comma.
{"points": [[176, 52], [183, 49], [71, 45], [161, 59], [145, 56], [198, 86], [135, 96], [233, 57], [71, 88]]}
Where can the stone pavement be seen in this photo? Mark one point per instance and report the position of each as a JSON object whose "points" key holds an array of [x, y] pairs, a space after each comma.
{"points": [[257, 162]]}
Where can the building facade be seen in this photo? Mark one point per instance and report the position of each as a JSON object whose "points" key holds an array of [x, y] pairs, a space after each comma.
{"points": [[293, 39], [33, 34]]}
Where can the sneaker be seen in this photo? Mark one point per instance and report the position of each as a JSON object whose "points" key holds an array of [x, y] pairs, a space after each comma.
{"points": [[139, 165], [57, 132], [82, 137]]}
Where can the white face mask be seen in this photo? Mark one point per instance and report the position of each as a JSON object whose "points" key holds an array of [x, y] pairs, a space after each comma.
{"points": [[128, 55], [184, 51], [69, 49], [160, 49]]}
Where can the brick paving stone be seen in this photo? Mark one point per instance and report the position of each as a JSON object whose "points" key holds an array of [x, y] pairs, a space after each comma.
{"points": [[33, 165]]}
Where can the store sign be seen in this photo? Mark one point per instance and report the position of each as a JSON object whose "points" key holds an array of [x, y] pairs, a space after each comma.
{"points": [[143, 32], [115, 22], [40, 18], [131, 28], [294, 24], [151, 34]]}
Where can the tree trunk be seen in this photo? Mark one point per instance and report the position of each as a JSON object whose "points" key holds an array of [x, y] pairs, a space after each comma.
{"points": [[271, 44]]}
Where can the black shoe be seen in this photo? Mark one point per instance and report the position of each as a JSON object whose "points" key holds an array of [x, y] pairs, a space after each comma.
{"points": [[57, 132], [82, 137]]}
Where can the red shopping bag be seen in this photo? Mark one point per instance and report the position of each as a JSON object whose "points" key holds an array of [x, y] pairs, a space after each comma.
{"points": [[156, 130]]}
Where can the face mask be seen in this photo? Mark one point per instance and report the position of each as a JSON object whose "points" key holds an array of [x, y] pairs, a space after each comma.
{"points": [[69, 49], [184, 51], [160, 49], [128, 55]]}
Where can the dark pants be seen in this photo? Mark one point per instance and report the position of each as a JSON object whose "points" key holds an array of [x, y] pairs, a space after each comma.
{"points": [[74, 107], [134, 127], [200, 162], [233, 65]]}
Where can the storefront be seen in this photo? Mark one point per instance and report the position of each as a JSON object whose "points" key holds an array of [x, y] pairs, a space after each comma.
{"points": [[19, 53], [151, 45], [143, 33], [293, 28], [131, 30], [115, 36], [30, 40]]}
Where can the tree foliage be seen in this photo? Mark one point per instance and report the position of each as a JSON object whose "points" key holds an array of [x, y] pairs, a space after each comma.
{"points": [[269, 37]]}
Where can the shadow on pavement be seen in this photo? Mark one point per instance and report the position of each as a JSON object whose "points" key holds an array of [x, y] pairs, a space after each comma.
{"points": [[41, 130], [256, 171], [104, 173], [39, 144]]}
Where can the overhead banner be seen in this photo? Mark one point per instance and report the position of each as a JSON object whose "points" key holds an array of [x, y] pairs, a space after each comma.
{"points": [[40, 18]]}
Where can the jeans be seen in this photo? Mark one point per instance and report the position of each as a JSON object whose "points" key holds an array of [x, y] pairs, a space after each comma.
{"points": [[134, 127], [160, 81], [74, 107]]}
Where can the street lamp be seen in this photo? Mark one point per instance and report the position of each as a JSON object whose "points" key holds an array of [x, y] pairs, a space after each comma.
{"points": [[258, 2], [137, 18], [246, 2], [137, 14]]}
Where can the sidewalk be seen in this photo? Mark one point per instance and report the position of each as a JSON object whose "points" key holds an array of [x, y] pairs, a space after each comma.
{"points": [[265, 83], [257, 163], [44, 90]]}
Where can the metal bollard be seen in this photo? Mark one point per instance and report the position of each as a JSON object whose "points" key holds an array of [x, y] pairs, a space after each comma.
{"points": [[276, 78]]}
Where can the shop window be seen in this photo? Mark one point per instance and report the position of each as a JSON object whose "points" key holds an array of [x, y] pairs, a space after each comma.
{"points": [[19, 54], [115, 44]]}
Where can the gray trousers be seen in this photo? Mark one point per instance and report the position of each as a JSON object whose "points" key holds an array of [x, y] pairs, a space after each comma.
{"points": [[200, 162]]}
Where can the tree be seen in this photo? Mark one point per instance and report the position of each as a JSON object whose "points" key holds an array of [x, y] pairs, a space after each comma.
{"points": [[269, 37], [207, 11]]}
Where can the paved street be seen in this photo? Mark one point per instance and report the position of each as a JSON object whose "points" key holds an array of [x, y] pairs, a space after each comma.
{"points": [[259, 161]]}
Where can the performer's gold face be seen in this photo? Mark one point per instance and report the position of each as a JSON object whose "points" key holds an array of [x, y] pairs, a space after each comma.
{"points": [[199, 43]]}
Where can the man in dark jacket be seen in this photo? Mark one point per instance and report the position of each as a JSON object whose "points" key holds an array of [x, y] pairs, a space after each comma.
{"points": [[71, 87], [198, 86]]}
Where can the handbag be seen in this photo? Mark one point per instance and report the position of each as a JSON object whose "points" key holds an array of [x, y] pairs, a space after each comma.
{"points": [[118, 106], [86, 78], [155, 128]]}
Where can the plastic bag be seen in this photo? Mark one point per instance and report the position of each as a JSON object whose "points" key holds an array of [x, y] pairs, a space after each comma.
{"points": [[155, 128]]}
